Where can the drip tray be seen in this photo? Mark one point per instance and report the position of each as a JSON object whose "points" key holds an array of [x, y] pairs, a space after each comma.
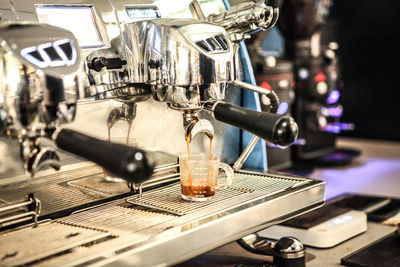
{"points": [[99, 185], [31, 244], [160, 228], [168, 198], [80, 185]]}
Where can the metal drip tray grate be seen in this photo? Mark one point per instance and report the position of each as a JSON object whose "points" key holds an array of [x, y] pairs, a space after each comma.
{"points": [[76, 186], [245, 187], [116, 230], [31, 244], [98, 184]]}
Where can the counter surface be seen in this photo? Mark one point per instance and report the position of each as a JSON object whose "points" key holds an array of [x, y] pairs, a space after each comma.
{"points": [[375, 172]]}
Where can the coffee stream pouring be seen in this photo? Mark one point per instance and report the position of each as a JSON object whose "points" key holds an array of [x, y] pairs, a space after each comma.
{"points": [[39, 91], [188, 64]]}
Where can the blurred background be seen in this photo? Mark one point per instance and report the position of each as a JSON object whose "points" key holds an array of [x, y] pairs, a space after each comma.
{"points": [[368, 36]]}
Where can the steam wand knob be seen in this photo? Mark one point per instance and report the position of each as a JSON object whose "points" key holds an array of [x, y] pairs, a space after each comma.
{"points": [[98, 63]]}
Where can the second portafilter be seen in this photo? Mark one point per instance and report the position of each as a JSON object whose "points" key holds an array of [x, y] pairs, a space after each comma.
{"points": [[39, 92]]}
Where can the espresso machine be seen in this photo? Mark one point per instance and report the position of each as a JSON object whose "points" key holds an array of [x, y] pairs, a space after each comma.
{"points": [[162, 76], [318, 85]]}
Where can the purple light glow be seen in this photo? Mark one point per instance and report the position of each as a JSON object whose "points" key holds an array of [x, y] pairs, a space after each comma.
{"points": [[283, 107], [333, 97], [336, 112], [332, 111], [331, 128], [337, 127]]}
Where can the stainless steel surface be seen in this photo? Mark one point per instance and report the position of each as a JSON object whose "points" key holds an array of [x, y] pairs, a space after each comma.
{"points": [[271, 95], [126, 112], [182, 61], [145, 237], [15, 206], [18, 218], [246, 186], [15, 213], [253, 202], [39, 86], [45, 240], [34, 57], [293, 251], [12, 10], [244, 18], [134, 82], [78, 186], [197, 126], [246, 153], [157, 207], [254, 88]]}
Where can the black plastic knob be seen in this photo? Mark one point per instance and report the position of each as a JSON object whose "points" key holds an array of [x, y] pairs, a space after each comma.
{"points": [[98, 63]]}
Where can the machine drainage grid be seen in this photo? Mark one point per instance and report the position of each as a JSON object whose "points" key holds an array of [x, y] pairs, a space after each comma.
{"points": [[245, 187]]}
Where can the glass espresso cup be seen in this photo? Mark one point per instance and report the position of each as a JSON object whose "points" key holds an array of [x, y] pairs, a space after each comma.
{"points": [[199, 176]]}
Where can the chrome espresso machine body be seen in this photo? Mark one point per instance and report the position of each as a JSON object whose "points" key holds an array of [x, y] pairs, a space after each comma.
{"points": [[40, 89], [149, 65]]}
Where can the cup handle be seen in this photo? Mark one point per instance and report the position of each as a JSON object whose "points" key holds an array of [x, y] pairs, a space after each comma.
{"points": [[229, 176]]}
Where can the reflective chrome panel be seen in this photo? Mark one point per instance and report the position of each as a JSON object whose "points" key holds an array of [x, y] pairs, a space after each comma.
{"points": [[39, 84]]}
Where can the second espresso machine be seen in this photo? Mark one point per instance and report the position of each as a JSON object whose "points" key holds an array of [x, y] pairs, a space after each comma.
{"points": [[160, 78]]}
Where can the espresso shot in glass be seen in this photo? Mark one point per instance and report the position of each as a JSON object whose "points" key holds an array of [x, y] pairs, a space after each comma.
{"points": [[199, 176]]}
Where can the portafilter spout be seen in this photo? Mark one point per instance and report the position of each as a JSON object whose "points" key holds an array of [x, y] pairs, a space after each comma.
{"points": [[193, 126]]}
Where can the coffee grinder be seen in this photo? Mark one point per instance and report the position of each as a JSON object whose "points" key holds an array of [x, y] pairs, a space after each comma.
{"points": [[316, 108]]}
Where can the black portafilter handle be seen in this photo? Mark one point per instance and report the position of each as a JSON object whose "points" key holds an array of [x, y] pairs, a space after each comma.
{"points": [[278, 129], [129, 163]]}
